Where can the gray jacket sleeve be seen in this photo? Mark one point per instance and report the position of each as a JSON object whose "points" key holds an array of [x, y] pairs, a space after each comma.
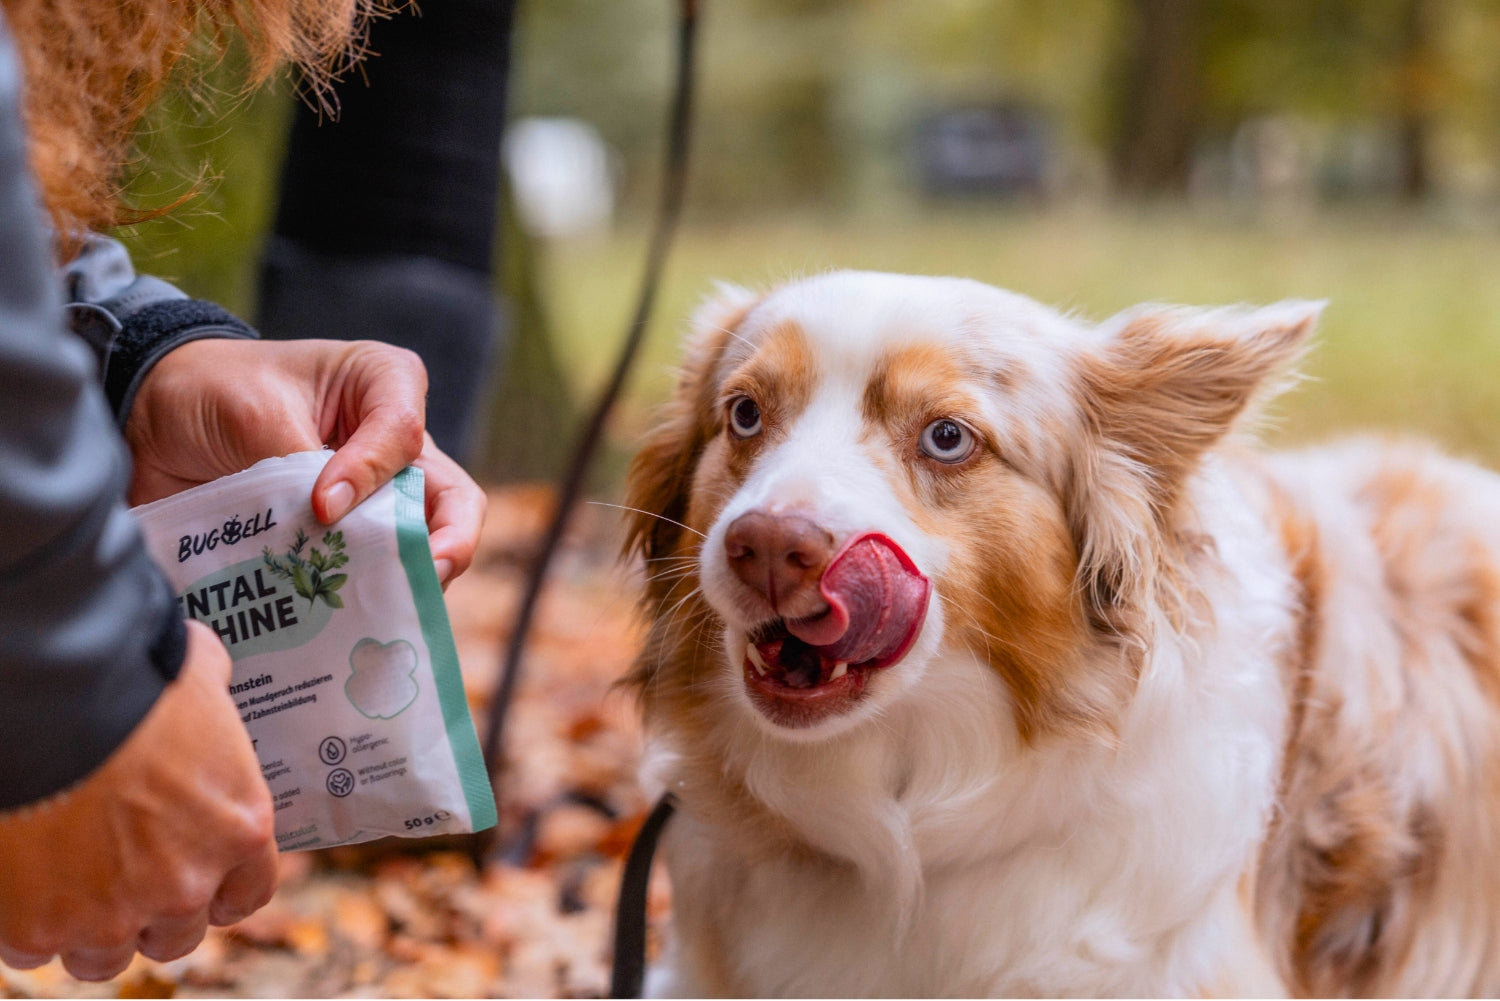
{"points": [[89, 631], [131, 321]]}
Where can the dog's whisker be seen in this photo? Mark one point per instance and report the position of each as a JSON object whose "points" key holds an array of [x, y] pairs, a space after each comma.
{"points": [[732, 333], [649, 514], [670, 614], [671, 559], [672, 573]]}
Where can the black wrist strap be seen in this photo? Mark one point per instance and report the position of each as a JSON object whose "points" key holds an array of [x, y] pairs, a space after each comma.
{"points": [[129, 346], [169, 649]]}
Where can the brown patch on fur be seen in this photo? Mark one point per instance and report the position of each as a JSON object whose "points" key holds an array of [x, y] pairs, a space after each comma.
{"points": [[780, 374], [682, 652], [660, 475], [1154, 398], [1298, 535], [1009, 594], [1355, 853], [913, 385], [686, 471], [1167, 388], [1405, 508], [1008, 379], [779, 377], [1411, 509], [1479, 618], [1363, 859], [659, 490], [1008, 590]]}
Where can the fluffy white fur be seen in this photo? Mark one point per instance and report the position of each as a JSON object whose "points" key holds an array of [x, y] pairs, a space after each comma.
{"points": [[927, 843]]}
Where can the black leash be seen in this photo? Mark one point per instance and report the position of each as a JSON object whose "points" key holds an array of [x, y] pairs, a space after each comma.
{"points": [[674, 185], [628, 976]]}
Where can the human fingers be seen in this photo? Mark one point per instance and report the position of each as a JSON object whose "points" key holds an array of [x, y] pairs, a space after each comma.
{"points": [[98, 963], [172, 938], [246, 859], [19, 959], [383, 404], [455, 512], [215, 406], [248, 887]]}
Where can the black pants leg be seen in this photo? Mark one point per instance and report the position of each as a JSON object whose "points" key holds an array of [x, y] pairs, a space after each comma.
{"points": [[386, 223]]}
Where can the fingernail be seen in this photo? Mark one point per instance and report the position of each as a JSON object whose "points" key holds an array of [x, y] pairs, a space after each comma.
{"points": [[443, 568], [338, 500]]}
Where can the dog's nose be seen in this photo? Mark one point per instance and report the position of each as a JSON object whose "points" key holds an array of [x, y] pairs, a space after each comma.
{"points": [[781, 556]]}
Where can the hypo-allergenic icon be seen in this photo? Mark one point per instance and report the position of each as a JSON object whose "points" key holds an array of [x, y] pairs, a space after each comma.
{"points": [[382, 683], [340, 782], [331, 750]]}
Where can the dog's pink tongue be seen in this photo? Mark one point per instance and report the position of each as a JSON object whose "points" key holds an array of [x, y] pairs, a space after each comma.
{"points": [[876, 599]]}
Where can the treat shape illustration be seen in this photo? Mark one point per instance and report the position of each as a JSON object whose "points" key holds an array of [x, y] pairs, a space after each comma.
{"points": [[382, 681]]}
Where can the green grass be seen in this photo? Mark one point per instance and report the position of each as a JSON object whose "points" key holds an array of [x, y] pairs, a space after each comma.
{"points": [[1410, 341]]}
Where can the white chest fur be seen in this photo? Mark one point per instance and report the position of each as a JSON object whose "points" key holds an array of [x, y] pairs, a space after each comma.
{"points": [[950, 861]]}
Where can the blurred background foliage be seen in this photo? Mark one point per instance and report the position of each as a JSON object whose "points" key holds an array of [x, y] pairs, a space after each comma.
{"points": [[1089, 153]]}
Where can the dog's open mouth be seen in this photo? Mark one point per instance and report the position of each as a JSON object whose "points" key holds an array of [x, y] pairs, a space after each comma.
{"points": [[800, 671]]}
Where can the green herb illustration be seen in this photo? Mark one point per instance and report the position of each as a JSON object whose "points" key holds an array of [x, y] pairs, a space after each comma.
{"points": [[310, 575]]}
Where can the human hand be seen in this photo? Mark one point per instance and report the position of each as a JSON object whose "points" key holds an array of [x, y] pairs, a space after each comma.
{"points": [[216, 406], [175, 831]]}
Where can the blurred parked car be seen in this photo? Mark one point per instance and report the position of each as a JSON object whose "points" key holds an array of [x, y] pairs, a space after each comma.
{"points": [[1001, 150]]}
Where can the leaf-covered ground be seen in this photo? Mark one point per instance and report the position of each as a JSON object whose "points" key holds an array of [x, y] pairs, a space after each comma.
{"points": [[401, 918]]}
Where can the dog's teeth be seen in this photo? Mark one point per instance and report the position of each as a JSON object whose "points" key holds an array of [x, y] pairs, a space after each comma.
{"points": [[839, 670], [755, 658]]}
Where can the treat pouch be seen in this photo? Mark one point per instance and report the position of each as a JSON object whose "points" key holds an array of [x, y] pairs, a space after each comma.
{"points": [[345, 671]]}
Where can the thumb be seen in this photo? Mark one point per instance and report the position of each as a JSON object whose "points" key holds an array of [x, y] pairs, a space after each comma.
{"points": [[206, 656], [385, 401]]}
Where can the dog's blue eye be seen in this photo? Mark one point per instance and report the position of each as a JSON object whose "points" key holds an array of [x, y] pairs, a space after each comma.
{"points": [[744, 417], [946, 440]]}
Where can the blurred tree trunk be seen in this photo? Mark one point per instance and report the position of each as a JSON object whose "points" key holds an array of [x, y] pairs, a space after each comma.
{"points": [[1160, 99], [1416, 77], [532, 420]]}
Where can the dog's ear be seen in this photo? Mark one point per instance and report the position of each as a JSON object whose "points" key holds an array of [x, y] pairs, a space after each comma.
{"points": [[1164, 385], [661, 473], [1159, 388]]}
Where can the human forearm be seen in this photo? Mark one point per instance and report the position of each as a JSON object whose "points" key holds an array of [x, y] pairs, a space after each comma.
{"points": [[88, 630]]}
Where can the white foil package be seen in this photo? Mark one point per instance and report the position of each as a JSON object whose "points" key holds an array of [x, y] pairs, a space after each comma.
{"points": [[345, 671]]}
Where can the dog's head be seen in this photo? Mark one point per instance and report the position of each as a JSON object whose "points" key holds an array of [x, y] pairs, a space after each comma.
{"points": [[862, 475]]}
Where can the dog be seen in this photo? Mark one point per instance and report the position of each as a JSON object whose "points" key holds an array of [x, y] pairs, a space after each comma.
{"points": [[987, 656]]}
